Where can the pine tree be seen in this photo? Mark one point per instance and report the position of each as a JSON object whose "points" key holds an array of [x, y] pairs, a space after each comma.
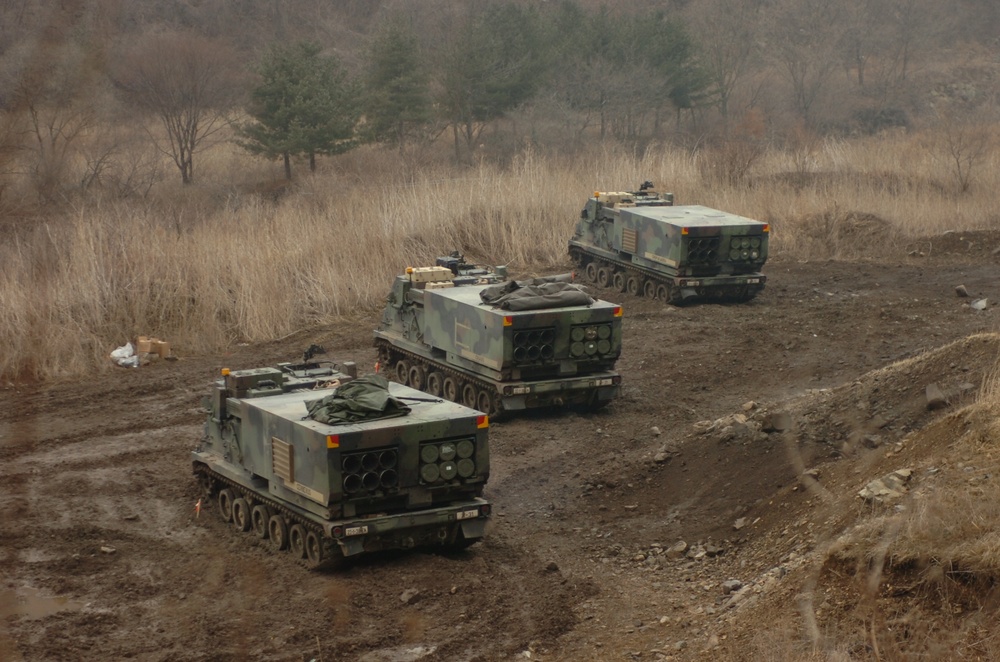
{"points": [[304, 105], [491, 67], [397, 103]]}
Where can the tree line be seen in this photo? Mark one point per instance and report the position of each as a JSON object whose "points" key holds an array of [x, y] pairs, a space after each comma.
{"points": [[301, 101], [425, 70]]}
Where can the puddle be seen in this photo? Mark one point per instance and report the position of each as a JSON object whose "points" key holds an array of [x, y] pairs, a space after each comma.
{"points": [[32, 603]]}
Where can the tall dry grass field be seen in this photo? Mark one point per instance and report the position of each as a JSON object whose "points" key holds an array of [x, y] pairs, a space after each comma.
{"points": [[231, 260]]}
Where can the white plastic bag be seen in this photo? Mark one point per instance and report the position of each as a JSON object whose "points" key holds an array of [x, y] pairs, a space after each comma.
{"points": [[125, 356]]}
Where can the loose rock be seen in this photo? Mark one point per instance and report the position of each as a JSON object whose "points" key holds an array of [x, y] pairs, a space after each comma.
{"points": [[935, 397], [888, 487], [776, 421], [677, 550], [731, 585]]}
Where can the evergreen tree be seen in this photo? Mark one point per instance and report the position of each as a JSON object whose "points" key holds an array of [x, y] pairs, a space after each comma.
{"points": [[657, 63], [397, 102], [623, 70], [304, 105], [491, 67]]}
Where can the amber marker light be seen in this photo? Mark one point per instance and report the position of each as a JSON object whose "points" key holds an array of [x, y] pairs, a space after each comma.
{"points": [[333, 441], [684, 230], [767, 227], [225, 372], [618, 311], [409, 270], [482, 421], [508, 320]]}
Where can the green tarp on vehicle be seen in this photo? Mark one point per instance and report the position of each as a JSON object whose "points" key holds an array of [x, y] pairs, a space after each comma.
{"points": [[366, 398], [536, 294]]}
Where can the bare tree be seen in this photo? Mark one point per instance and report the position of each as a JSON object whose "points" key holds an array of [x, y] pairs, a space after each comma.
{"points": [[190, 84], [862, 36], [802, 39], [915, 27], [49, 102], [729, 31], [963, 144]]}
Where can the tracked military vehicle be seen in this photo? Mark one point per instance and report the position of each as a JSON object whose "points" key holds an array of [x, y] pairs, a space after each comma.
{"points": [[641, 243], [469, 334], [329, 465]]}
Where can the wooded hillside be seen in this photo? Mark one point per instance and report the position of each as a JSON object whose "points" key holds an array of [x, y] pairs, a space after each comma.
{"points": [[115, 96]]}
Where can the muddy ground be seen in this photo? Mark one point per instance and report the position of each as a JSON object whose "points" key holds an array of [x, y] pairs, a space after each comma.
{"points": [[102, 556]]}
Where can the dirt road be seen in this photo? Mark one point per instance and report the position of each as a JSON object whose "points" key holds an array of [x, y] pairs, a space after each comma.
{"points": [[103, 558]]}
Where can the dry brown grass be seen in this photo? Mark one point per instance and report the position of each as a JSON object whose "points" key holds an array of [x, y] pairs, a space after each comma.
{"points": [[243, 257]]}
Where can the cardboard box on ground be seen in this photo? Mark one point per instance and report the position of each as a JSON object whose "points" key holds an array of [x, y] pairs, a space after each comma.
{"points": [[152, 348]]}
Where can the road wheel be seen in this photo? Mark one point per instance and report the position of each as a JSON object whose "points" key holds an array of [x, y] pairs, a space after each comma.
{"points": [[632, 285], [469, 396], [403, 371], [487, 402], [449, 389], [277, 532], [314, 549], [590, 271], [241, 514], [297, 540], [649, 289], [259, 516], [226, 504], [418, 377], [435, 383], [618, 280], [604, 276], [663, 292]]}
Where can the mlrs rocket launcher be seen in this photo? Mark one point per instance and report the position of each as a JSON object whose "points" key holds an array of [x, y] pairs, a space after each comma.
{"points": [[470, 335], [315, 460], [641, 243]]}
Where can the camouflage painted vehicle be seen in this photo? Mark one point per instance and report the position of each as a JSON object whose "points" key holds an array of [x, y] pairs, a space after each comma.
{"points": [[470, 335], [640, 243], [318, 461]]}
